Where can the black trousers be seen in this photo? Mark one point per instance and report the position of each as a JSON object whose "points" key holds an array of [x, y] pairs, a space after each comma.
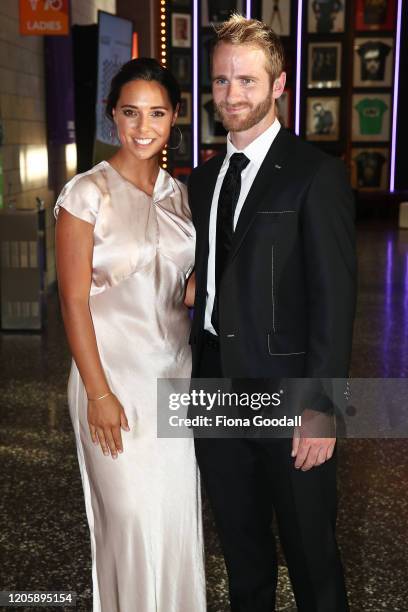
{"points": [[246, 480]]}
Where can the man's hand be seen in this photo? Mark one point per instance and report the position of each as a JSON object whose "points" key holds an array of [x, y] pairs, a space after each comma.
{"points": [[309, 446]]}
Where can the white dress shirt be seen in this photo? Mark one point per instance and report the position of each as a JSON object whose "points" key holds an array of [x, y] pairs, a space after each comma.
{"points": [[255, 152]]}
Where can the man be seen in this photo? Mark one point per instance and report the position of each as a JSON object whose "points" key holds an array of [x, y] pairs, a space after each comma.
{"points": [[275, 293]]}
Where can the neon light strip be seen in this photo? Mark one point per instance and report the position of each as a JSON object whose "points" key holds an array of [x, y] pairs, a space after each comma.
{"points": [[195, 82], [298, 66], [248, 9], [395, 103]]}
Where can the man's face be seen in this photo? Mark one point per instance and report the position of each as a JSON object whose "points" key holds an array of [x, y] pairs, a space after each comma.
{"points": [[241, 86]]}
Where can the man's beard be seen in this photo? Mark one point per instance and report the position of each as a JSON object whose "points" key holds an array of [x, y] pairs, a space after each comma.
{"points": [[241, 124]]}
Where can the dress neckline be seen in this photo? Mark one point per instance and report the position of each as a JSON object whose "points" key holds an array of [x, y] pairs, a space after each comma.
{"points": [[162, 186]]}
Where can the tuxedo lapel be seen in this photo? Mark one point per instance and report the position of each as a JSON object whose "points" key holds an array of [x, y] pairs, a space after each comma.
{"points": [[269, 175]]}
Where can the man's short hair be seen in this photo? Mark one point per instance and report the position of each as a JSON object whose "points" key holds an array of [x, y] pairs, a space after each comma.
{"points": [[240, 31]]}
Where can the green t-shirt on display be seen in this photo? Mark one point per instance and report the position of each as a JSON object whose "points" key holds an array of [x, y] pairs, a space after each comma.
{"points": [[371, 112]]}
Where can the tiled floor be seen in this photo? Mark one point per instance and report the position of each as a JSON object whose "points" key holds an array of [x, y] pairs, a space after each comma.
{"points": [[44, 542]]}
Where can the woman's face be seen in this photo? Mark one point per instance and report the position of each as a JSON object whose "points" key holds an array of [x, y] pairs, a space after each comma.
{"points": [[144, 117]]}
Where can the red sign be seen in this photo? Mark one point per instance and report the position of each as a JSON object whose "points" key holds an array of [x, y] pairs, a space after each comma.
{"points": [[44, 17]]}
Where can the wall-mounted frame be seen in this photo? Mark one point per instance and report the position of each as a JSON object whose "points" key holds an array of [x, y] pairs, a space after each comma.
{"points": [[371, 115], [323, 118], [375, 15], [181, 68], [369, 168], [207, 38], [373, 61], [181, 30], [212, 130], [214, 11], [324, 64], [276, 13], [325, 16], [184, 115]]}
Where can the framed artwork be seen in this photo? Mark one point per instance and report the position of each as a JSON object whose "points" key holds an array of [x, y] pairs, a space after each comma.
{"points": [[371, 115], [212, 130], [214, 11], [181, 68], [183, 153], [283, 106], [182, 174], [326, 16], [322, 118], [184, 116], [180, 30], [369, 168], [375, 14], [207, 39], [276, 13], [324, 65], [373, 62]]}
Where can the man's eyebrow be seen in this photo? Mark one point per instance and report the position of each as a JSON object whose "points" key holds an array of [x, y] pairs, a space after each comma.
{"points": [[238, 76]]}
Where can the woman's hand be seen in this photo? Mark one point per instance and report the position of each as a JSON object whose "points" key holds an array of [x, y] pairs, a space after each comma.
{"points": [[105, 417]]}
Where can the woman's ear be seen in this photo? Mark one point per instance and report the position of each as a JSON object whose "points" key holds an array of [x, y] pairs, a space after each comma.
{"points": [[175, 115]]}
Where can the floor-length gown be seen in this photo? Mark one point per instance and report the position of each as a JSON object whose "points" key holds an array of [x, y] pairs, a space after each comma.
{"points": [[144, 508]]}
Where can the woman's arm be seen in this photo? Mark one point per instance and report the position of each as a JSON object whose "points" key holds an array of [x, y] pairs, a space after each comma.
{"points": [[74, 248], [190, 291]]}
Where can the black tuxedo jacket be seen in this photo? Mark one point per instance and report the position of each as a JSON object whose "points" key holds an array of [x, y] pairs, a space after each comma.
{"points": [[287, 296]]}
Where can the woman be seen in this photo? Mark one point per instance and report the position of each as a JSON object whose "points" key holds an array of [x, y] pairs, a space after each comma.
{"points": [[125, 248]]}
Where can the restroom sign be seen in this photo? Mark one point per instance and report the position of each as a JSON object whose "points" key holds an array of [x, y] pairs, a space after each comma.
{"points": [[44, 17]]}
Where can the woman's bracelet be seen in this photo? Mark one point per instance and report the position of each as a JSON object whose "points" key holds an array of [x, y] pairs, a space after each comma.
{"points": [[95, 399]]}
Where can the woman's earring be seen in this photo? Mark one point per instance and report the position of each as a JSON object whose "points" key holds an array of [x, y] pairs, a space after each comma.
{"points": [[180, 139]]}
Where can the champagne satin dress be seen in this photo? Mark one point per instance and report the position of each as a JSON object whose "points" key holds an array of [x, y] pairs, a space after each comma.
{"points": [[144, 508]]}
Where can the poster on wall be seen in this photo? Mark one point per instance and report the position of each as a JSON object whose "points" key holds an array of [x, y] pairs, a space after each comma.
{"points": [[276, 14], [181, 30], [375, 14], [181, 68], [322, 119], [324, 65], [373, 62], [369, 168], [326, 16], [114, 49], [371, 117], [216, 11], [44, 17], [184, 114]]}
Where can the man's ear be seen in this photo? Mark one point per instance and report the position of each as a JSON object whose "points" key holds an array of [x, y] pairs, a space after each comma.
{"points": [[279, 86]]}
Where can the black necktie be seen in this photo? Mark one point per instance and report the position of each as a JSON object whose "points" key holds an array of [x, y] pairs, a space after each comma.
{"points": [[227, 202]]}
